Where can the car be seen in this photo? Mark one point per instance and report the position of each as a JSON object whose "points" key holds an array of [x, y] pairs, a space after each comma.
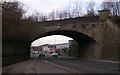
{"points": [[42, 55], [54, 54]]}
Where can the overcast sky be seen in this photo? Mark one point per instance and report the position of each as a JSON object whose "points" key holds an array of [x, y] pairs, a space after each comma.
{"points": [[46, 6]]}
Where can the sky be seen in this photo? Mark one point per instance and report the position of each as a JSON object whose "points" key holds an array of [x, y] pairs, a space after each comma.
{"points": [[53, 39]]}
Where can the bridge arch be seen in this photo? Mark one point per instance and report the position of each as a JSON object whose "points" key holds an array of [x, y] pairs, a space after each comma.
{"points": [[85, 44]]}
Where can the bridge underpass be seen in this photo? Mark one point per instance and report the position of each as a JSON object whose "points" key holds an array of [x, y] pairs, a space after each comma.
{"points": [[85, 44]]}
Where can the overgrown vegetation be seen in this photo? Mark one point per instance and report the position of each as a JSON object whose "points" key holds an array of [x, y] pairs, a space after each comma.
{"points": [[12, 14], [12, 11]]}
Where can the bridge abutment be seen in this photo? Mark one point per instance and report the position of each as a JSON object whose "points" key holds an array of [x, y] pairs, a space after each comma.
{"points": [[14, 52]]}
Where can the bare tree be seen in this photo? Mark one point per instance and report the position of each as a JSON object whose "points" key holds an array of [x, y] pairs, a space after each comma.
{"points": [[44, 18], [12, 11], [117, 8], [60, 15], [112, 6], [69, 11], [65, 14], [90, 9], [52, 15], [79, 9], [76, 10]]}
